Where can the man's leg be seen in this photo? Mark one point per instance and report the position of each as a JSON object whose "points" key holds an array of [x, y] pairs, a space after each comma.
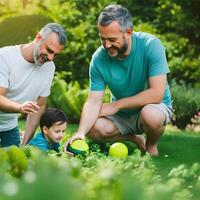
{"points": [[152, 121], [105, 130]]}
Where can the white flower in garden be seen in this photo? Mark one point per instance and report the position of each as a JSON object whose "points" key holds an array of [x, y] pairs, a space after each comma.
{"points": [[106, 174], [29, 176], [10, 189]]}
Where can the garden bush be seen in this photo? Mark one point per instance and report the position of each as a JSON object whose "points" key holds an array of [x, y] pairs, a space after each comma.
{"points": [[169, 20], [194, 125], [186, 102]]}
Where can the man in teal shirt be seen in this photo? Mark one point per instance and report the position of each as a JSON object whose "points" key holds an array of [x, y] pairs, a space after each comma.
{"points": [[134, 67]]}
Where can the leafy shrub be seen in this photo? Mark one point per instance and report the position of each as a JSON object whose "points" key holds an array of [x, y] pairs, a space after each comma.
{"points": [[68, 97], [194, 126], [171, 20], [97, 177], [3, 161], [182, 59], [17, 160], [186, 102]]}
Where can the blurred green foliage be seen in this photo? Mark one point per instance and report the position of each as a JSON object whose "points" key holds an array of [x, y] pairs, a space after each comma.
{"points": [[20, 29], [96, 177], [175, 22]]}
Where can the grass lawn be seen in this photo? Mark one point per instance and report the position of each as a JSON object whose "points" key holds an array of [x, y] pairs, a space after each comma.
{"points": [[175, 148]]}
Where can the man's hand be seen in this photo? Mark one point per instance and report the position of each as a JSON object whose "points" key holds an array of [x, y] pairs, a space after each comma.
{"points": [[108, 109], [29, 107], [74, 137]]}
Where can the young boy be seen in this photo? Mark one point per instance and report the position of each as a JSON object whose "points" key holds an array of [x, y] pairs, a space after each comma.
{"points": [[53, 123]]}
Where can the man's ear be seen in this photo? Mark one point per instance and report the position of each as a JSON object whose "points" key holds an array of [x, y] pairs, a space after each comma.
{"points": [[38, 37], [129, 31], [45, 130]]}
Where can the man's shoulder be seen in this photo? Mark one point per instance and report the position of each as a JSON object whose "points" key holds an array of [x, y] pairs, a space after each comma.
{"points": [[146, 41], [144, 37], [50, 64], [99, 53], [8, 49]]}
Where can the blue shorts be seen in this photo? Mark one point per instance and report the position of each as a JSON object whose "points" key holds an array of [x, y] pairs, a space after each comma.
{"points": [[11, 137]]}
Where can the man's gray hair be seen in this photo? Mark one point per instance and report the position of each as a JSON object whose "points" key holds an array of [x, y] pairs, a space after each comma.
{"points": [[116, 13], [54, 28]]}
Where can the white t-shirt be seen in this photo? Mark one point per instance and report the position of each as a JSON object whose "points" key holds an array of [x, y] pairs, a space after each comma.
{"points": [[25, 81]]}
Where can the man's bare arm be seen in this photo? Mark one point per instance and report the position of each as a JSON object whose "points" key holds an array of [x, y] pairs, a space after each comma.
{"points": [[33, 120], [153, 94], [9, 106], [90, 111], [89, 115]]}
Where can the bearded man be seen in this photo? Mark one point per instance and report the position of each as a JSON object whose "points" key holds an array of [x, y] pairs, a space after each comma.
{"points": [[26, 74], [134, 67]]}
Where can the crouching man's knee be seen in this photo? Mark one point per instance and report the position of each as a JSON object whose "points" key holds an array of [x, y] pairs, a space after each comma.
{"points": [[152, 118], [102, 130]]}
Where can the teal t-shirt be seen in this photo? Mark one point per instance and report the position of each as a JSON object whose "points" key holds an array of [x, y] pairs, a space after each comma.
{"points": [[129, 76], [41, 142]]}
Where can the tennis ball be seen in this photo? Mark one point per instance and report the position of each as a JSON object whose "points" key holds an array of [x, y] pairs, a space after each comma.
{"points": [[78, 147], [118, 150]]}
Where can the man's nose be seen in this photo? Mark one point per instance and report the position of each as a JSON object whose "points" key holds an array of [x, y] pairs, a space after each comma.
{"points": [[107, 44], [50, 57]]}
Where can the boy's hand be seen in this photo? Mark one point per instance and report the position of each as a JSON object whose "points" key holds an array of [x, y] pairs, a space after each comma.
{"points": [[74, 137]]}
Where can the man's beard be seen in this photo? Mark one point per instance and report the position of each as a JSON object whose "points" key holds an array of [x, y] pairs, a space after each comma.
{"points": [[120, 51], [36, 55]]}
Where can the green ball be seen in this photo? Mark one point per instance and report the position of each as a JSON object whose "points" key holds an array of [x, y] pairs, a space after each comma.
{"points": [[118, 150], [78, 147]]}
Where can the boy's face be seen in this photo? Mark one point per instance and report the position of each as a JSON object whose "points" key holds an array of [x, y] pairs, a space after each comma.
{"points": [[55, 133]]}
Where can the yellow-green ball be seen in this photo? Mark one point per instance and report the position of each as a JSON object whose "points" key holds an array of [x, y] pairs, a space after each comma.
{"points": [[78, 147], [118, 150]]}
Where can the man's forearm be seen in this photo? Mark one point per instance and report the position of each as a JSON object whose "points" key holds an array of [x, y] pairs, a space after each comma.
{"points": [[89, 116], [9, 106], [31, 125], [154, 94], [146, 97]]}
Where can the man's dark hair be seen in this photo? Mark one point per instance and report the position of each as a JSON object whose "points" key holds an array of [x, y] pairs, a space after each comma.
{"points": [[52, 116]]}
